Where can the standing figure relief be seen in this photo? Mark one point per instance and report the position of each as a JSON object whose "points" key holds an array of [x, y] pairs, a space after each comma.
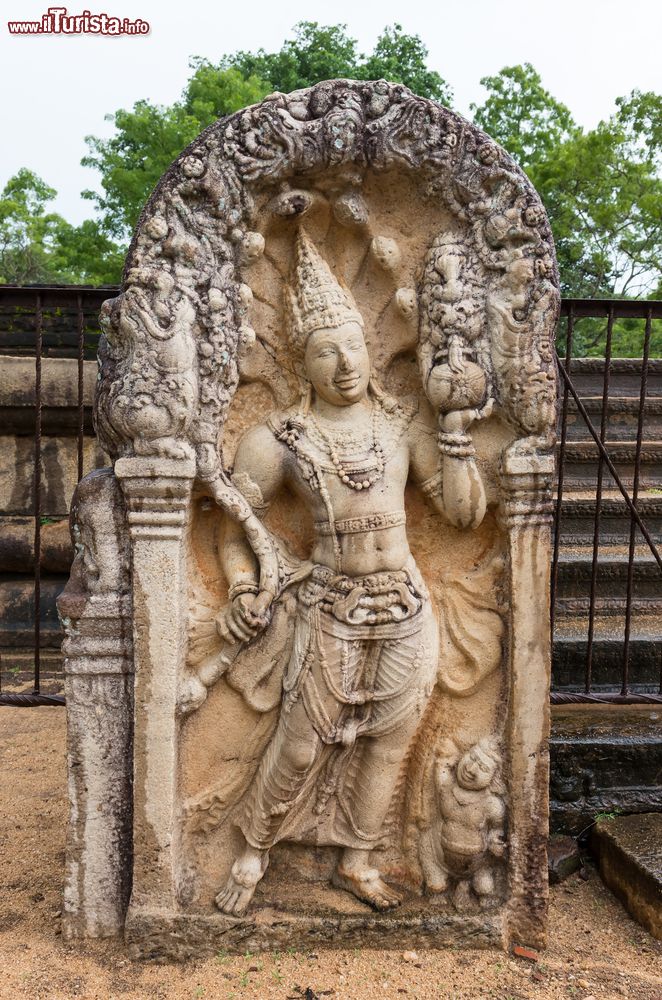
{"points": [[365, 650], [327, 640]]}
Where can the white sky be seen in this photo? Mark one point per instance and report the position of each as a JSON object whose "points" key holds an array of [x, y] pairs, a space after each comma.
{"points": [[57, 89]]}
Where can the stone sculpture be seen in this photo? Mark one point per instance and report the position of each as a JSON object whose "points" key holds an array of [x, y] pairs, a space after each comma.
{"points": [[328, 390], [468, 824]]}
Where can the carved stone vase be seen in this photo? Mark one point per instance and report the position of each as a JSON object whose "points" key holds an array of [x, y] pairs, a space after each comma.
{"points": [[307, 627]]}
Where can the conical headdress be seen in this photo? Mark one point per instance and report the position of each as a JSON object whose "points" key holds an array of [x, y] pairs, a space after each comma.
{"points": [[314, 299]]}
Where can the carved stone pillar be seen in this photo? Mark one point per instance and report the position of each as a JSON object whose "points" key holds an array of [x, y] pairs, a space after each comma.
{"points": [[99, 694], [95, 610], [527, 512], [157, 492]]}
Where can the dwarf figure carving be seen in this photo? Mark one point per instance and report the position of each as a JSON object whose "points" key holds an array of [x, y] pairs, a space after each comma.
{"points": [[466, 834]]}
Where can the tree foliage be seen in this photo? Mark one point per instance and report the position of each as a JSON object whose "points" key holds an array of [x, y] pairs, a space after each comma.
{"points": [[39, 246], [602, 187], [148, 138]]}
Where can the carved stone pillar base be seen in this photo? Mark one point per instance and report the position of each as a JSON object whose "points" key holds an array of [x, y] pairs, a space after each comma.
{"points": [[157, 494], [95, 609], [527, 513]]}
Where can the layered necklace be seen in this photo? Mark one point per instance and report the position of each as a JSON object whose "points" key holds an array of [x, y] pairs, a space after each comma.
{"points": [[355, 478]]}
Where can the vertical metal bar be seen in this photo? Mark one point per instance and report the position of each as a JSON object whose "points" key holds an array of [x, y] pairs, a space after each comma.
{"points": [[559, 493], [635, 497], [598, 504], [81, 385], [37, 494]]}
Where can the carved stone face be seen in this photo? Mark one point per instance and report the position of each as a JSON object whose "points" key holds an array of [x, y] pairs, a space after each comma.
{"points": [[474, 771], [338, 364]]}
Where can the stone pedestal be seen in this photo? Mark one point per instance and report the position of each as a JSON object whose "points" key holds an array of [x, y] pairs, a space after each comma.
{"points": [[527, 513], [157, 493]]}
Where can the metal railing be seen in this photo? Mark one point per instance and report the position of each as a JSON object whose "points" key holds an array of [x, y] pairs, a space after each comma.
{"points": [[61, 321], [635, 684]]}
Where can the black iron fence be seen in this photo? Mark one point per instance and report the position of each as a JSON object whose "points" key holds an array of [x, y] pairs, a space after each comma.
{"points": [[606, 567]]}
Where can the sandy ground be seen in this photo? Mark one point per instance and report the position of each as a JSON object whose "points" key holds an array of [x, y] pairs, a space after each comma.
{"points": [[595, 949]]}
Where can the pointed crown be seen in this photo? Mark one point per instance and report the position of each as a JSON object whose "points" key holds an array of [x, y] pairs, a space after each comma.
{"points": [[314, 299]]}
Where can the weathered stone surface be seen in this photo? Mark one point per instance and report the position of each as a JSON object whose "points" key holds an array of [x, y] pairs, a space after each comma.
{"points": [[94, 608], [563, 857], [59, 473], [603, 758], [629, 852], [328, 391]]}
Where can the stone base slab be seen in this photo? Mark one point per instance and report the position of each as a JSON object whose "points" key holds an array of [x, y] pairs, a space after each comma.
{"points": [[163, 936], [629, 851]]}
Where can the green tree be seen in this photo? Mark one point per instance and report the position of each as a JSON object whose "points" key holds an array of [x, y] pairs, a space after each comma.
{"points": [[38, 246], [148, 138], [27, 231], [146, 141], [602, 188], [402, 58], [522, 116], [314, 53]]}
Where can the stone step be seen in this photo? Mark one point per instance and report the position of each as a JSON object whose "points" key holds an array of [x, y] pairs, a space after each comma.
{"points": [[581, 463], [587, 375], [603, 758], [622, 418], [578, 517], [59, 395], [575, 570], [17, 612], [59, 473], [17, 545], [571, 643], [629, 853]]}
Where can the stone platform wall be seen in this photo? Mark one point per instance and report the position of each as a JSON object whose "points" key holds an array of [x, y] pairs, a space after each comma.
{"points": [[59, 474]]}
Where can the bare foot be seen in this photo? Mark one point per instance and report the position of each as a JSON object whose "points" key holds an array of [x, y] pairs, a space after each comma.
{"points": [[245, 874], [367, 885]]}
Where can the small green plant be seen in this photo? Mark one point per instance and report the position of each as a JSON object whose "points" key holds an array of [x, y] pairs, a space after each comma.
{"points": [[199, 992], [277, 976], [222, 957], [244, 980], [607, 815]]}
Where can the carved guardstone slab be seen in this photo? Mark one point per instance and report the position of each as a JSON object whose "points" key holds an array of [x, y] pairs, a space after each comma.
{"points": [[307, 626]]}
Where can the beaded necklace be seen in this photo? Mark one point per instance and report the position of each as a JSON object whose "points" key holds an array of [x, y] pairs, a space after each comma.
{"points": [[345, 472]]}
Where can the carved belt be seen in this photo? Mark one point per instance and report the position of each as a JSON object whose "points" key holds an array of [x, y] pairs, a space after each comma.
{"points": [[354, 525], [378, 599]]}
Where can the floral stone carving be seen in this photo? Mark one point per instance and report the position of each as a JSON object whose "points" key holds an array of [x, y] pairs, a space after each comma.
{"points": [[328, 390]]}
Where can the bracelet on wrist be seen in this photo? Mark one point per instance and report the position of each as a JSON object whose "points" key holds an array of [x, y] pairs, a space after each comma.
{"points": [[243, 587], [456, 444]]}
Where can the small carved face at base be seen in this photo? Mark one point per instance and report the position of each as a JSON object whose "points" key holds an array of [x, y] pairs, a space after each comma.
{"points": [[475, 770], [337, 364]]}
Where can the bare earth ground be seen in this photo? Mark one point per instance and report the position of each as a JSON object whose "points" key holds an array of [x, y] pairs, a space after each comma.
{"points": [[595, 949]]}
